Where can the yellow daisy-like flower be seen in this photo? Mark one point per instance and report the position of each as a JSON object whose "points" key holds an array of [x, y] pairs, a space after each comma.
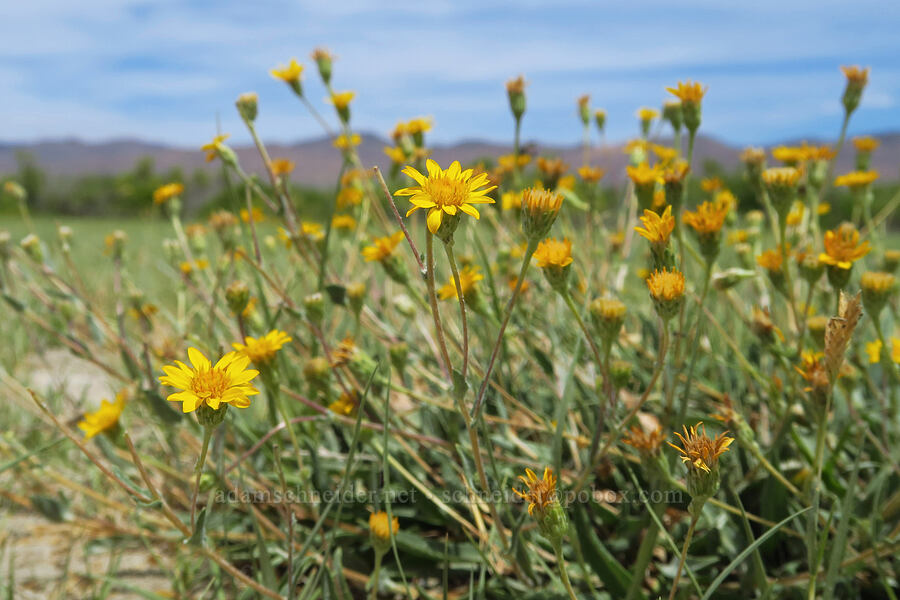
{"points": [[842, 247], [657, 228], [647, 114], [688, 91], [865, 143], [189, 267], [382, 527], [447, 191], [511, 200], [877, 282], [468, 277], [665, 154], [895, 350], [643, 174], [104, 418], [166, 192], [343, 142], [700, 451], [646, 442], [790, 155], [262, 350], [508, 162], [396, 154], [772, 259], [873, 349], [711, 184], [856, 179], [418, 125], [554, 253], [212, 148], [312, 230], [708, 218], [226, 382], [343, 222], [382, 248], [345, 405], [289, 73], [665, 285], [254, 212], [781, 176], [591, 174], [341, 100], [282, 166], [856, 74], [540, 493]]}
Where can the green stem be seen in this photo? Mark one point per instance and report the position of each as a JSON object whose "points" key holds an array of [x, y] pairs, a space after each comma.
{"points": [[645, 553], [694, 350], [432, 300], [451, 258], [684, 551], [376, 571], [198, 470], [526, 261], [811, 537], [563, 574]]}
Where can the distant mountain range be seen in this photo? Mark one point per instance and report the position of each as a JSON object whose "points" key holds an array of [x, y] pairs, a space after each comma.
{"points": [[318, 162]]}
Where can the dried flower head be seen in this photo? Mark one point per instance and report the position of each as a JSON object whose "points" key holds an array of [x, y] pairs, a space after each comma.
{"points": [[839, 331], [541, 493], [698, 450]]}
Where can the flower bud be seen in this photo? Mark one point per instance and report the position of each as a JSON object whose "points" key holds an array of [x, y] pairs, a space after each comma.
{"points": [[317, 372], [237, 295], [210, 417], [539, 211], [584, 109], [380, 530], [324, 61], [608, 315], [620, 372], [515, 89], [667, 291], [600, 119], [672, 113], [315, 307], [857, 78], [876, 289], [356, 294], [399, 354], [248, 106]]}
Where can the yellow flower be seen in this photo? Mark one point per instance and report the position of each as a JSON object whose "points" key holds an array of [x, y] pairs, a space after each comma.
{"points": [[711, 184], [349, 196], [262, 350], [856, 179], [345, 405], [104, 418], [771, 260], [866, 143], [591, 174], [698, 450], [796, 215], [382, 527], [657, 228], [824, 208], [540, 493], [873, 349], [753, 155], [343, 142], [446, 191], [781, 176], [282, 166], [382, 247], [511, 200], [508, 162], [516, 86], [254, 212], [552, 167], [812, 369], [688, 91], [675, 172], [665, 154], [418, 125], [312, 230], [222, 219], [895, 350], [212, 148], [856, 74], [189, 267], [877, 282], [708, 218], [396, 154], [166, 192], [647, 114], [226, 382], [554, 253], [343, 222], [665, 285], [468, 276], [643, 174], [842, 247], [790, 155], [289, 73], [341, 100], [646, 442]]}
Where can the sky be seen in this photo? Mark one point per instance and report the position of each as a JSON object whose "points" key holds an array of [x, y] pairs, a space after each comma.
{"points": [[167, 70]]}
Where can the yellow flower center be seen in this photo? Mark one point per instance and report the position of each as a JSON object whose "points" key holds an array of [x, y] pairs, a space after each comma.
{"points": [[446, 191], [210, 384]]}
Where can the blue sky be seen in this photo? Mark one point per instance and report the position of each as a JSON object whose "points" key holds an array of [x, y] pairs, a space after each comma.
{"points": [[163, 70]]}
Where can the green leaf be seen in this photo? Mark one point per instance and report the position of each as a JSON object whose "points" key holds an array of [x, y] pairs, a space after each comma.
{"points": [[747, 552], [573, 199], [337, 293], [199, 536], [613, 575]]}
